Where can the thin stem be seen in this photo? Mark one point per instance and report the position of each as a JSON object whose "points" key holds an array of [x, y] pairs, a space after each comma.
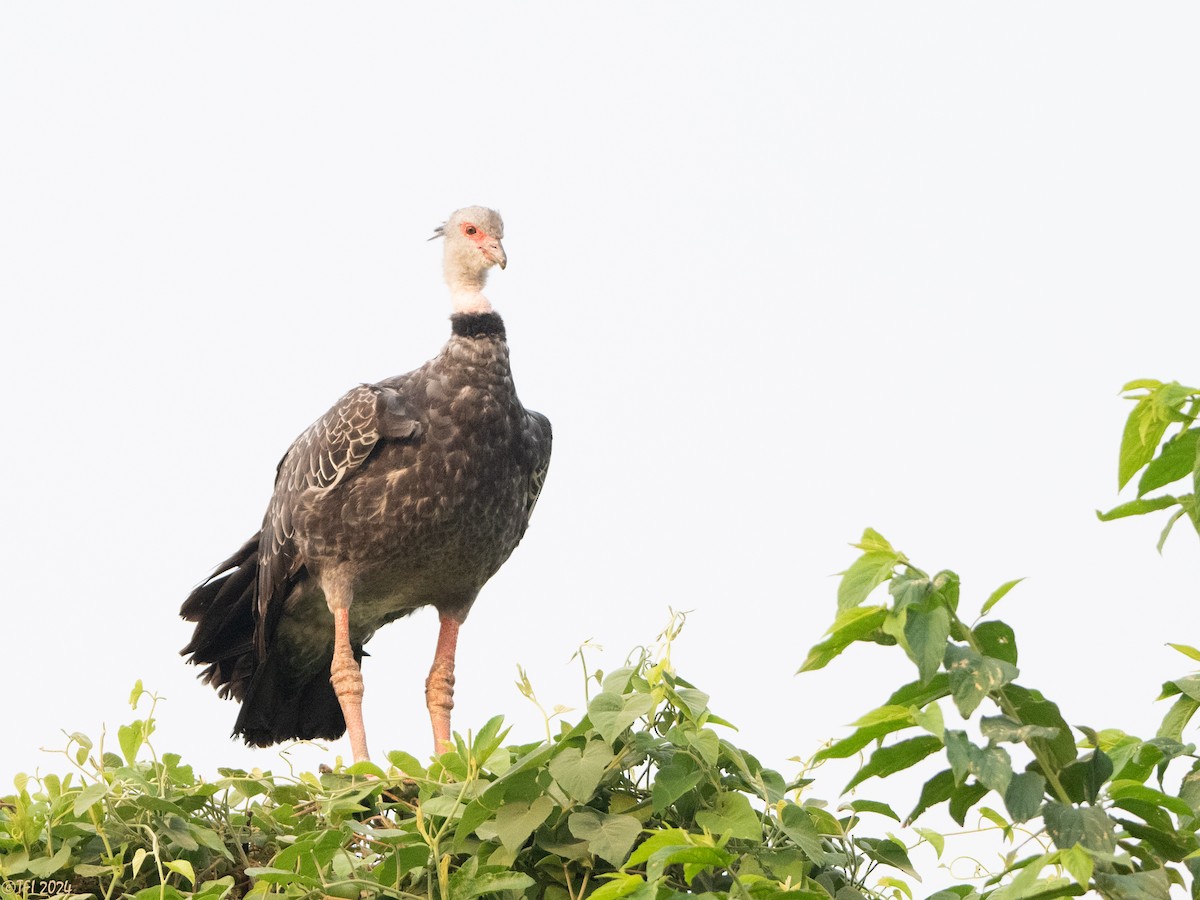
{"points": [[162, 880], [587, 694]]}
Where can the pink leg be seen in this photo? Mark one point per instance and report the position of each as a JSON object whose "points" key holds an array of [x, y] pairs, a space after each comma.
{"points": [[346, 678], [439, 686]]}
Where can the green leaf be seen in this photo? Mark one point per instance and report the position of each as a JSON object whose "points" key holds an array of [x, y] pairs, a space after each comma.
{"points": [[92, 871], [476, 885], [869, 571], [1026, 883], [1176, 460], [1033, 709], [925, 634], [695, 701], [489, 738], [874, 542], [1141, 384], [992, 766], [609, 837], [673, 781], [214, 890], [861, 806], [175, 830], [1133, 760], [366, 767], [1187, 650], [973, 677], [1150, 885], [406, 763], [183, 867], [1177, 717], [850, 625], [931, 719], [1084, 778], [963, 798], [611, 714], [798, 825], [899, 886], [1078, 862], [732, 816], [997, 640], [1143, 431], [1132, 790], [687, 855], [936, 790], [1002, 729], [515, 821], [619, 886], [946, 586], [210, 839], [1088, 826], [618, 680], [1194, 508], [1166, 532], [998, 594], [909, 587], [935, 838], [888, 760], [272, 875], [85, 744], [704, 741], [130, 738], [917, 694], [88, 796], [1024, 796], [444, 807], [578, 772], [49, 865], [470, 817], [1136, 508], [663, 837], [1189, 684], [1162, 839], [874, 725], [888, 852]]}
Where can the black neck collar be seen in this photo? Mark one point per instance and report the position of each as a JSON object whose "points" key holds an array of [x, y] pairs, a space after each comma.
{"points": [[477, 325]]}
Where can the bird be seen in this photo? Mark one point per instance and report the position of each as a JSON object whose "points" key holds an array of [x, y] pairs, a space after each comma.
{"points": [[408, 492]]}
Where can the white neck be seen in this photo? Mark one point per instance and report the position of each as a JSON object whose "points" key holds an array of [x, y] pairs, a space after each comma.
{"points": [[469, 300]]}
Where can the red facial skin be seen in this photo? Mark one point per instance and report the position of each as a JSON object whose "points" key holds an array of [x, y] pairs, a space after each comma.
{"points": [[477, 235]]}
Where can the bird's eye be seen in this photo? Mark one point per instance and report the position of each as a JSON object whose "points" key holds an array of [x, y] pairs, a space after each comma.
{"points": [[470, 229]]}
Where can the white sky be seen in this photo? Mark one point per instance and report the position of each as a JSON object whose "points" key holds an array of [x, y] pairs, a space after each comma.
{"points": [[777, 272]]}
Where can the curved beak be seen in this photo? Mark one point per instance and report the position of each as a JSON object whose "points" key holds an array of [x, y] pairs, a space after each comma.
{"points": [[494, 250]]}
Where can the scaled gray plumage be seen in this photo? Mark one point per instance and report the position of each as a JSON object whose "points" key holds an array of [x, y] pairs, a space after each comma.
{"points": [[409, 492]]}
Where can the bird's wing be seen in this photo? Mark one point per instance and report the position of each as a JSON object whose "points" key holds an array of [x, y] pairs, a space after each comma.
{"points": [[539, 427], [319, 460]]}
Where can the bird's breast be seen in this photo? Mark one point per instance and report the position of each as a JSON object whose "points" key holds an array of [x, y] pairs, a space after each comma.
{"points": [[442, 512]]}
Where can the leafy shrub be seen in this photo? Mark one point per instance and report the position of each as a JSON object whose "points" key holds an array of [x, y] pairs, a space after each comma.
{"points": [[641, 797], [1159, 408]]}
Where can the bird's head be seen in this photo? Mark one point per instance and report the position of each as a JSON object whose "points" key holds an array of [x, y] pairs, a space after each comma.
{"points": [[472, 236]]}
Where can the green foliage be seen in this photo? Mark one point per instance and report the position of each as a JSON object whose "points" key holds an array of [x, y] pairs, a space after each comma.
{"points": [[641, 797], [1085, 796], [1158, 408]]}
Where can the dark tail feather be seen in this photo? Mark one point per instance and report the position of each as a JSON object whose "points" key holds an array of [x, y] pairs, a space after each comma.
{"points": [[279, 702], [223, 610], [281, 706]]}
